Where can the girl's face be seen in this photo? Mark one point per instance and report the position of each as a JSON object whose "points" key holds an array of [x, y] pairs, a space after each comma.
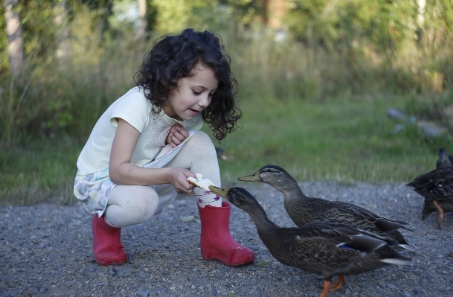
{"points": [[193, 95]]}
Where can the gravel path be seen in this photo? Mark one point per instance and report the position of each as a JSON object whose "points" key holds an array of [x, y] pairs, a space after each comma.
{"points": [[45, 250]]}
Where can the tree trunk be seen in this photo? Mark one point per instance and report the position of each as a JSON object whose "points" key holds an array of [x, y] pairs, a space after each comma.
{"points": [[143, 21], [61, 22], [14, 35], [421, 12], [276, 10]]}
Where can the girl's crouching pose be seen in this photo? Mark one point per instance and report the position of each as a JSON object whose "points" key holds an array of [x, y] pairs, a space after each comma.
{"points": [[147, 143]]}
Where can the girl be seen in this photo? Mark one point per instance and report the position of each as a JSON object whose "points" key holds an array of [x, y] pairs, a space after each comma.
{"points": [[147, 143]]}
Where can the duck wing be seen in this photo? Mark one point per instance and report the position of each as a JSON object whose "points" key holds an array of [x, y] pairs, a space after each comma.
{"points": [[436, 184], [311, 209], [328, 248]]}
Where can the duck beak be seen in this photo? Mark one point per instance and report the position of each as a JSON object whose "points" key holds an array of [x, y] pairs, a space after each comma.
{"points": [[254, 177], [223, 192]]}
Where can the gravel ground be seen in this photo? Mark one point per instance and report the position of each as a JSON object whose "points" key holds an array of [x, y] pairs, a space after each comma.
{"points": [[45, 250]]}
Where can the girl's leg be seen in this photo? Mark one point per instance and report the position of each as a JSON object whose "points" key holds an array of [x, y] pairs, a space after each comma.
{"points": [[127, 205], [131, 205], [216, 242]]}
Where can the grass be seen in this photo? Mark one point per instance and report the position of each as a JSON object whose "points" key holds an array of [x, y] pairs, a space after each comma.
{"points": [[343, 139], [42, 172]]}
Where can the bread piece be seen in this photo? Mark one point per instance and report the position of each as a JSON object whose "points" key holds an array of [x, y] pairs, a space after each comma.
{"points": [[200, 182]]}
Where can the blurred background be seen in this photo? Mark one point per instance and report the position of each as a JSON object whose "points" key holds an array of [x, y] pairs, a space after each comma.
{"points": [[352, 90]]}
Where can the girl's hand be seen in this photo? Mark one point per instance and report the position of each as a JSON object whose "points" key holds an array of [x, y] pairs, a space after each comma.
{"points": [[178, 178], [176, 135]]}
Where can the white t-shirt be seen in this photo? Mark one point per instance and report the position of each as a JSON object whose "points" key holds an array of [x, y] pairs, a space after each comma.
{"points": [[134, 108]]}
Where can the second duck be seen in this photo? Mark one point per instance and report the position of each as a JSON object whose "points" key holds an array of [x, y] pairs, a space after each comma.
{"points": [[303, 209]]}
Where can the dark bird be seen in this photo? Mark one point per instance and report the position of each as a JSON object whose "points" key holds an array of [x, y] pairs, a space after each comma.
{"points": [[222, 155], [436, 187], [444, 159], [326, 248], [303, 209]]}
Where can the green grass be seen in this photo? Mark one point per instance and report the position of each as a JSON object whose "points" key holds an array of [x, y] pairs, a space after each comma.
{"points": [[342, 139], [42, 172]]}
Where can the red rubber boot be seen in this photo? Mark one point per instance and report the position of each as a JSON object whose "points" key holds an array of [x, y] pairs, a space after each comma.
{"points": [[107, 247], [216, 241]]}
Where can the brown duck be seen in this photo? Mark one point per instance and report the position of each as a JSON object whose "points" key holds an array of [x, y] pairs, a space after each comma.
{"points": [[303, 209], [436, 187], [326, 248], [444, 159], [223, 155]]}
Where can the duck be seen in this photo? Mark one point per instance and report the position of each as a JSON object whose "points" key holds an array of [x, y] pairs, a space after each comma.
{"points": [[303, 209], [222, 155], [326, 248], [436, 187], [444, 159]]}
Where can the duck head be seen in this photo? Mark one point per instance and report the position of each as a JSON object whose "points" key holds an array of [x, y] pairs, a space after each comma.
{"points": [[271, 174], [444, 159], [237, 196]]}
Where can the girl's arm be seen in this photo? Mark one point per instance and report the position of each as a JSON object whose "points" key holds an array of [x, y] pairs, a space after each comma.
{"points": [[122, 172]]}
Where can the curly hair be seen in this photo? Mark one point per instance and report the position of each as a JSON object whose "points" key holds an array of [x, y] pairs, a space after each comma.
{"points": [[175, 56]]}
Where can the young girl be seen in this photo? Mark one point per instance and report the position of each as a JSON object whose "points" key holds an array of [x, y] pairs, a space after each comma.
{"points": [[147, 143]]}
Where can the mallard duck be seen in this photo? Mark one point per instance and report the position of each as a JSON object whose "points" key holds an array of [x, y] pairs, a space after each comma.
{"points": [[303, 209], [436, 187], [325, 248], [222, 155], [444, 159]]}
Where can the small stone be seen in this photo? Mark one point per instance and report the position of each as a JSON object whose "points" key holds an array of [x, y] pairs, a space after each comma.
{"points": [[187, 218], [113, 271], [143, 293]]}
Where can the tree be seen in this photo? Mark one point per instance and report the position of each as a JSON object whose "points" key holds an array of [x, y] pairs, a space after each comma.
{"points": [[61, 22], [143, 21], [275, 11], [14, 36]]}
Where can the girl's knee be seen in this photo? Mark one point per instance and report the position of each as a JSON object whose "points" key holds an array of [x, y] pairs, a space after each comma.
{"points": [[132, 204], [146, 206], [200, 141], [200, 138]]}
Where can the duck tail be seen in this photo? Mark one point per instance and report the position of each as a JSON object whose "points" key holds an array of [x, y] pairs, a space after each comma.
{"points": [[407, 247], [390, 256], [390, 225], [397, 261]]}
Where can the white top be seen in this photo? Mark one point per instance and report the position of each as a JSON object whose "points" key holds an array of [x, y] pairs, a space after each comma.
{"points": [[134, 108]]}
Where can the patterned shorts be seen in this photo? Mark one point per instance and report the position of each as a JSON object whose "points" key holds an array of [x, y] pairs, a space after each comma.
{"points": [[93, 189]]}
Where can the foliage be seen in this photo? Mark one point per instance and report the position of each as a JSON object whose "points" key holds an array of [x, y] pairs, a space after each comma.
{"points": [[123, 20], [4, 63], [246, 12], [330, 23], [175, 15]]}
